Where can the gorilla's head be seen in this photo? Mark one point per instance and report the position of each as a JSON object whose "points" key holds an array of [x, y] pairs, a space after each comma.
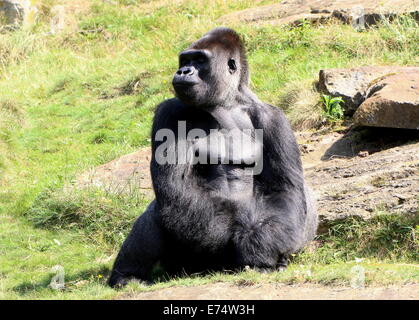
{"points": [[212, 70]]}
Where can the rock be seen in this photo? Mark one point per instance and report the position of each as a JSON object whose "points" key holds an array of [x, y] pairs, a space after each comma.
{"points": [[358, 12], [352, 84], [306, 148], [18, 12], [126, 174], [363, 154], [391, 102], [371, 179]]}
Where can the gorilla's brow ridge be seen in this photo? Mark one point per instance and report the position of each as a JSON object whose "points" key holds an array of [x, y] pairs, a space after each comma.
{"points": [[225, 40]]}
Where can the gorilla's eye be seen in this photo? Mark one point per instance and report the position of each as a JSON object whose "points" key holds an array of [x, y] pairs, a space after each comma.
{"points": [[232, 65]]}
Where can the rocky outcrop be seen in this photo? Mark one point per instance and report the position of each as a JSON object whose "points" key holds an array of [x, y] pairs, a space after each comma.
{"points": [[128, 173], [63, 16], [392, 101], [18, 12], [363, 172], [353, 84], [358, 12]]}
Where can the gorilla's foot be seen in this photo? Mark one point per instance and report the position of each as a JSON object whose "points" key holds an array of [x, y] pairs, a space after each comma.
{"points": [[263, 270], [282, 263], [120, 281], [259, 269]]}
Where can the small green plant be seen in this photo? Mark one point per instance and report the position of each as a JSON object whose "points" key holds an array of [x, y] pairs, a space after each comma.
{"points": [[332, 107]]}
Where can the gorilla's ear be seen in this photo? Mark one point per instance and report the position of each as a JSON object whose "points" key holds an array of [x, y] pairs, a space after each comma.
{"points": [[232, 65]]}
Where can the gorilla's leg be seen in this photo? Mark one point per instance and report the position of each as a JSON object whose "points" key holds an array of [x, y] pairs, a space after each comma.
{"points": [[140, 251]]}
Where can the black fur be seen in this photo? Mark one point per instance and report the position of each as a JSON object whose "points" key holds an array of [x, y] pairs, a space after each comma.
{"points": [[211, 217]]}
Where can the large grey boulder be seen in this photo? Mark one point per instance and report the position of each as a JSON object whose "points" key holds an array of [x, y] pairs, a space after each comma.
{"points": [[17, 12], [352, 84], [358, 12], [392, 101]]}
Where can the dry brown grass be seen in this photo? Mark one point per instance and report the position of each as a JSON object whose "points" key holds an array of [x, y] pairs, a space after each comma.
{"points": [[301, 102]]}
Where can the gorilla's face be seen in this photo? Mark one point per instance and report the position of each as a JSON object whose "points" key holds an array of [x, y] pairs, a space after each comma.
{"points": [[205, 77]]}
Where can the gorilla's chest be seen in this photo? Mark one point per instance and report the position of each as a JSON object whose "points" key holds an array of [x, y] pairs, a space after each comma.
{"points": [[221, 154], [224, 179]]}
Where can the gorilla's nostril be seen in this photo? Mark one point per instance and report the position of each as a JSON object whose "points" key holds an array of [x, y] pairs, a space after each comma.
{"points": [[187, 71], [179, 72]]}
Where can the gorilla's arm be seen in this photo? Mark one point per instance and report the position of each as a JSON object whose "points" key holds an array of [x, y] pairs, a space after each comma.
{"points": [[281, 216], [282, 162], [284, 166], [180, 201]]}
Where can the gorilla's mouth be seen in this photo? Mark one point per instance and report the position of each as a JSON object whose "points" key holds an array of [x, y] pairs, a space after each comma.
{"points": [[183, 83], [185, 89]]}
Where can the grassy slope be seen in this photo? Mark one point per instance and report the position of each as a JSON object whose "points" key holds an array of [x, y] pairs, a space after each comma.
{"points": [[75, 100]]}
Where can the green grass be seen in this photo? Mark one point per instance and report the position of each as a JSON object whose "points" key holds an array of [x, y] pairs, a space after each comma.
{"points": [[385, 248], [387, 237], [78, 99], [104, 217]]}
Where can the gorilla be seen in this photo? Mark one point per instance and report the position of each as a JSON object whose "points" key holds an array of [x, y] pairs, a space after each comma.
{"points": [[241, 201]]}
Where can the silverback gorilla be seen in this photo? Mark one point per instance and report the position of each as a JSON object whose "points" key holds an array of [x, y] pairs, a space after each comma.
{"points": [[247, 206]]}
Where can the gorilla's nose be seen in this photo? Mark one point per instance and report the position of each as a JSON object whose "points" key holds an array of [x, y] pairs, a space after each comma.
{"points": [[185, 71], [185, 76]]}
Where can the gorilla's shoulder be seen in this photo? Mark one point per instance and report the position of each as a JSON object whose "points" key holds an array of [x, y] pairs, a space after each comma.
{"points": [[269, 113], [167, 113], [273, 109], [169, 107]]}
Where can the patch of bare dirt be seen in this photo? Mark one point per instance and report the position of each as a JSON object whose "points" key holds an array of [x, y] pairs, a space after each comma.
{"points": [[277, 291]]}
